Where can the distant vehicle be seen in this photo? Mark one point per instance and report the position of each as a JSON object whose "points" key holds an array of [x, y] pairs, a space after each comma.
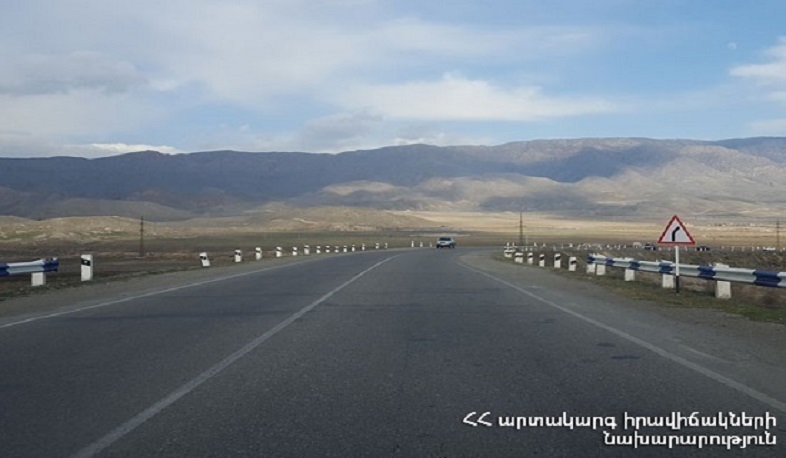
{"points": [[703, 248], [446, 242], [650, 247]]}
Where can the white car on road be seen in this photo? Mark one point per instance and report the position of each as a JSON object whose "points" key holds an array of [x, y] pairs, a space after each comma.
{"points": [[446, 242]]}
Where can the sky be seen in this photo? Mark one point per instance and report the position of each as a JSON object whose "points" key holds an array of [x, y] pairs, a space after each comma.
{"points": [[96, 78]]}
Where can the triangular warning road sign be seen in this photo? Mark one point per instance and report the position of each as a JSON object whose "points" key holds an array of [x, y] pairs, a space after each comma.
{"points": [[676, 233]]}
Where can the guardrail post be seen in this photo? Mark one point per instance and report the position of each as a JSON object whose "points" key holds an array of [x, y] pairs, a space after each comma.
{"points": [[38, 279], [572, 264], [204, 259], [238, 256], [258, 253], [86, 262], [722, 288], [542, 260], [557, 261]]}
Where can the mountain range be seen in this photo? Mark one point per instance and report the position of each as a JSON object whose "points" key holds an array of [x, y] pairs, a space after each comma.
{"points": [[616, 177]]}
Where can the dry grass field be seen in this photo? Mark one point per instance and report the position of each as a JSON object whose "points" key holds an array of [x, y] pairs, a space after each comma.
{"points": [[115, 242]]}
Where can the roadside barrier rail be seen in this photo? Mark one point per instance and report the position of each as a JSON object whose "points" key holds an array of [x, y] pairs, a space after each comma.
{"points": [[21, 268], [717, 273], [36, 269]]}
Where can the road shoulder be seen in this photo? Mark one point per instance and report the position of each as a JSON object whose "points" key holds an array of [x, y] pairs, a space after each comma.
{"points": [[750, 352]]}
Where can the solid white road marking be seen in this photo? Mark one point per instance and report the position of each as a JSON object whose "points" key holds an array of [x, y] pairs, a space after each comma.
{"points": [[733, 384], [127, 427], [152, 293]]}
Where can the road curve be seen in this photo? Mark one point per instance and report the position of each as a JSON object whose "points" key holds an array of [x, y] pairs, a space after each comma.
{"points": [[422, 353]]}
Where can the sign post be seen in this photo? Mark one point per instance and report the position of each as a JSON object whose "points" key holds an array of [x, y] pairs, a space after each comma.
{"points": [[676, 234]]}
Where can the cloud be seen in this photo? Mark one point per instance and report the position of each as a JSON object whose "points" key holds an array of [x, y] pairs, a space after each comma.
{"points": [[57, 74], [455, 98], [769, 127], [338, 132], [13, 144], [111, 149], [771, 74], [433, 134], [76, 114], [100, 72]]}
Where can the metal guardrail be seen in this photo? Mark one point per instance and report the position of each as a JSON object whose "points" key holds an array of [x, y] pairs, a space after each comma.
{"points": [[717, 273], [20, 268]]}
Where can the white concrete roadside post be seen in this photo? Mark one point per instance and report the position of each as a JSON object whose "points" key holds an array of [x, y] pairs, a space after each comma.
{"points": [[542, 260], [572, 264], [38, 279], [279, 252], [421, 244], [557, 260], [238, 256], [363, 247], [519, 257], [722, 288], [337, 250], [306, 250], [294, 251], [591, 266], [386, 245], [204, 259], [258, 253], [376, 246], [319, 249], [353, 247], [630, 275], [530, 258], [86, 261], [600, 269], [412, 244]]}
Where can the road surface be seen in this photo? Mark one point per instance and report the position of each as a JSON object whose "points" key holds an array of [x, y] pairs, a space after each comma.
{"points": [[417, 353]]}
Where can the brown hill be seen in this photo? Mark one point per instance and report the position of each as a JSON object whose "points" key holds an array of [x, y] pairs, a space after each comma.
{"points": [[620, 177]]}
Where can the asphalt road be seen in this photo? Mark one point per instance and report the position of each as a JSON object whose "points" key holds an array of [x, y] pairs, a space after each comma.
{"points": [[379, 354]]}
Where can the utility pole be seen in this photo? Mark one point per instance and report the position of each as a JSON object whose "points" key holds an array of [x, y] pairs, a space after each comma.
{"points": [[521, 229], [778, 234], [142, 237]]}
